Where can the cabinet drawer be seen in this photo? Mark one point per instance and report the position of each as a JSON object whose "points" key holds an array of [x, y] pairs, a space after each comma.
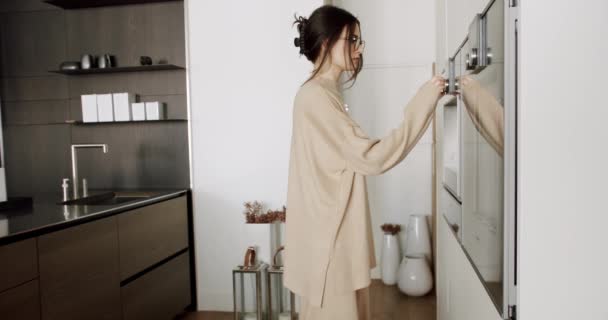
{"points": [[152, 233], [79, 276], [22, 266], [161, 293], [22, 302]]}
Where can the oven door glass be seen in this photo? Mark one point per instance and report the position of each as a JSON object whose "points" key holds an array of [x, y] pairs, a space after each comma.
{"points": [[482, 194]]}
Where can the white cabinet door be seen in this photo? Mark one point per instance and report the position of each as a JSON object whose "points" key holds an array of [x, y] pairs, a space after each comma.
{"points": [[460, 294]]}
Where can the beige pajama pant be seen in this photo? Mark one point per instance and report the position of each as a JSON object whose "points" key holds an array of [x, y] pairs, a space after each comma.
{"points": [[350, 306]]}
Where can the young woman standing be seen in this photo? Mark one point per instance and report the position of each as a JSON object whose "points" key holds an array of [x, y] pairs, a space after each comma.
{"points": [[329, 246]]}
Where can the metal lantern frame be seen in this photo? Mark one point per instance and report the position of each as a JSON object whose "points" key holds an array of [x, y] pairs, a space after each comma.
{"points": [[278, 272], [259, 271]]}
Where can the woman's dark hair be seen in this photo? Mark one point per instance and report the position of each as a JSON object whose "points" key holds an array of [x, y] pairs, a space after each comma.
{"points": [[325, 25]]}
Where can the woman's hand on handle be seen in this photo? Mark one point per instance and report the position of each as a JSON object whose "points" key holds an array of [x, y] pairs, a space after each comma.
{"points": [[439, 82]]}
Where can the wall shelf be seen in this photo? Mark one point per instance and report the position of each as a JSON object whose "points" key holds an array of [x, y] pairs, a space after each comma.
{"points": [[80, 4], [80, 123], [154, 67]]}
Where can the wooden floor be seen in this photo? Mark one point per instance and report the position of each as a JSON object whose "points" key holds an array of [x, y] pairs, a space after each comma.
{"points": [[388, 303]]}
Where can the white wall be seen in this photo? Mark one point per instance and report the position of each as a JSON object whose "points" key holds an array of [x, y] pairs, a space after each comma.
{"points": [[563, 264], [399, 53], [244, 72]]}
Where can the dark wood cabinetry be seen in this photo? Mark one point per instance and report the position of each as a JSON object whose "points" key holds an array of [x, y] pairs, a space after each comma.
{"points": [[19, 297], [18, 263], [159, 294], [79, 274], [21, 302], [150, 234], [132, 265]]}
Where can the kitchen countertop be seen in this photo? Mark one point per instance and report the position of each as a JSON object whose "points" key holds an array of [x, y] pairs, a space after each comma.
{"points": [[46, 215]]}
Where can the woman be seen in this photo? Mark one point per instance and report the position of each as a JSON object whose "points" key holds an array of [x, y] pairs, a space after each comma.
{"points": [[329, 245]]}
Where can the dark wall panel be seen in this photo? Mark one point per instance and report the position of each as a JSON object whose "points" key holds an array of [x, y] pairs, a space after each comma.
{"points": [[32, 42], [36, 38], [143, 83], [34, 88], [145, 154], [37, 158], [155, 30], [35, 112], [24, 5]]}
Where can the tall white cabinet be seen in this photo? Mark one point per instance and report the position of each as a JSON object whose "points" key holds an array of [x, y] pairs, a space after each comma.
{"points": [[563, 261], [561, 173]]}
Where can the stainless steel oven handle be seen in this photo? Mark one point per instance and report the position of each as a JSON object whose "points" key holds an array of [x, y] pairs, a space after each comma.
{"points": [[472, 59]]}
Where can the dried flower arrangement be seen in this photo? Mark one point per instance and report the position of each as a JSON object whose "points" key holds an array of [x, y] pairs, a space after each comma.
{"points": [[392, 229], [254, 213]]}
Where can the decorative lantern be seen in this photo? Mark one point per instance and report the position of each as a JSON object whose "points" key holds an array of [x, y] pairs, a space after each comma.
{"points": [[248, 287], [281, 301]]}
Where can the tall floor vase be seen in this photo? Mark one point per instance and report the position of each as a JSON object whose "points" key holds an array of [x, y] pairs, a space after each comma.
{"points": [[390, 259], [415, 277], [418, 237]]}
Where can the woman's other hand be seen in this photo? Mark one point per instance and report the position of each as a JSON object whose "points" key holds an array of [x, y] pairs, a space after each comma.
{"points": [[439, 83]]}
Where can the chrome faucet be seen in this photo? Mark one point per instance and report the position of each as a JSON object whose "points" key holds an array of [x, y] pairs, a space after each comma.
{"points": [[75, 192]]}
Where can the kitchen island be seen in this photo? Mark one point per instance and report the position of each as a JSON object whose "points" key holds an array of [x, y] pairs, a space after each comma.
{"points": [[113, 255]]}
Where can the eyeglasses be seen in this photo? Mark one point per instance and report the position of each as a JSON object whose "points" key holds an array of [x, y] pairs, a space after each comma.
{"points": [[356, 42]]}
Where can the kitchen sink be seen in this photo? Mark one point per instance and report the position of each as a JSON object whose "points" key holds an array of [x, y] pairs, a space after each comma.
{"points": [[107, 199]]}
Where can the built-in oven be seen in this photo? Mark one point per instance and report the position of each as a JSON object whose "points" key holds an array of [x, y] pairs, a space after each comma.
{"points": [[479, 145]]}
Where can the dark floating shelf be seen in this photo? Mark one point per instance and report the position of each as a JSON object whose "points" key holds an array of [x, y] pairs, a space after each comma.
{"points": [[154, 67], [80, 4], [78, 122]]}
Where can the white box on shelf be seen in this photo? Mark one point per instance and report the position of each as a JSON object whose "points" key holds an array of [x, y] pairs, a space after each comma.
{"points": [[105, 108], [89, 107], [155, 110], [139, 111], [122, 106]]}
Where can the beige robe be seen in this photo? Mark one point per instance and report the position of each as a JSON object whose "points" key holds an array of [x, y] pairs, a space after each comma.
{"points": [[329, 248]]}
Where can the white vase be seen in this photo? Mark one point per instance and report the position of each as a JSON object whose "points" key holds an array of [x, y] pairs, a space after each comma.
{"points": [[415, 277], [277, 239], [390, 259], [418, 238]]}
